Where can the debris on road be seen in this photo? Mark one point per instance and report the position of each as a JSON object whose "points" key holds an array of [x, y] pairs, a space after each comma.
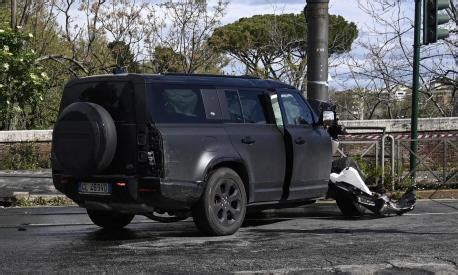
{"points": [[349, 184]]}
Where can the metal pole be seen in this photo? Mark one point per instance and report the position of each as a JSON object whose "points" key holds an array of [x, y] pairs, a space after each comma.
{"points": [[415, 88], [13, 14], [316, 14]]}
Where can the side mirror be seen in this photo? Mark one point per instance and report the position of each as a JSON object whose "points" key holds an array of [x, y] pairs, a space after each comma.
{"points": [[328, 118]]}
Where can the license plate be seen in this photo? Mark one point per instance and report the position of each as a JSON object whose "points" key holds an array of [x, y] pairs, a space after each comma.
{"points": [[94, 188]]}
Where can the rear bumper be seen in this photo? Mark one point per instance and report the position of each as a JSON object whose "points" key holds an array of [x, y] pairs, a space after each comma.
{"points": [[138, 195], [185, 191]]}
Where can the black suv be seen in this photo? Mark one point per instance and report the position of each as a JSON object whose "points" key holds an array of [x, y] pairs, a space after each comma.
{"points": [[172, 146]]}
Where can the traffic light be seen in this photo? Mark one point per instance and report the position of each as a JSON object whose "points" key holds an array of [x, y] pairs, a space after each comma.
{"points": [[432, 19]]}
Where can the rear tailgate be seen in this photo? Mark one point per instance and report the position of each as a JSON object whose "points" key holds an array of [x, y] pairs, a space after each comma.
{"points": [[119, 96]]}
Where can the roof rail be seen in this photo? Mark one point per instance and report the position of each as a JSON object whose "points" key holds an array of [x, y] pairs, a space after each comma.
{"points": [[213, 75]]}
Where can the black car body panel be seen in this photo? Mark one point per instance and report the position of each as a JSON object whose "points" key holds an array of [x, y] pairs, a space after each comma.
{"points": [[166, 152]]}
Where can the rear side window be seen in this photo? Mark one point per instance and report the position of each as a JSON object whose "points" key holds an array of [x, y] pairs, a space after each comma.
{"points": [[176, 104], [233, 106], [245, 106], [252, 107]]}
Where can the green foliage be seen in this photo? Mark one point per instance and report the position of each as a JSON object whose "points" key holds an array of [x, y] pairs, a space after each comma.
{"points": [[123, 56], [25, 156], [341, 34], [269, 45], [166, 60], [22, 82], [372, 172]]}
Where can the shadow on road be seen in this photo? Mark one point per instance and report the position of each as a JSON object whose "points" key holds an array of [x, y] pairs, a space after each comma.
{"points": [[127, 234], [112, 235], [344, 231], [259, 222], [306, 213]]}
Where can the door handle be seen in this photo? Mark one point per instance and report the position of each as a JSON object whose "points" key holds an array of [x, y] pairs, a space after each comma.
{"points": [[247, 140], [299, 140]]}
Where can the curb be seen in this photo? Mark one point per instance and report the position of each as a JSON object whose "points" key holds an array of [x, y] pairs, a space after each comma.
{"points": [[36, 199], [25, 199], [438, 194]]}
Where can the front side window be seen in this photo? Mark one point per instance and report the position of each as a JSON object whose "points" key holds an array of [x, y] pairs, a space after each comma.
{"points": [[297, 112], [176, 105], [276, 109]]}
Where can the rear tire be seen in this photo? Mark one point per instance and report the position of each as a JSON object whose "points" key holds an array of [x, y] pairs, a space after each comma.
{"points": [[222, 207], [109, 220], [346, 202]]}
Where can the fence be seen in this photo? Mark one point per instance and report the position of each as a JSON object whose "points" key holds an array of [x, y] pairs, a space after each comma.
{"points": [[437, 159], [437, 156]]}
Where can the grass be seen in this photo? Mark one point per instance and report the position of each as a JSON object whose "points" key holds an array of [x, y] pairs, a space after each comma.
{"points": [[43, 201], [23, 156]]}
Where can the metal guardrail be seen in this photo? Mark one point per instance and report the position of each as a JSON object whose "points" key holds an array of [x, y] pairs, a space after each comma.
{"points": [[387, 151], [444, 172], [393, 153]]}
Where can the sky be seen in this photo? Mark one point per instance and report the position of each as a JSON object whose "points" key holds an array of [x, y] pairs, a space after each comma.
{"points": [[349, 9], [247, 8]]}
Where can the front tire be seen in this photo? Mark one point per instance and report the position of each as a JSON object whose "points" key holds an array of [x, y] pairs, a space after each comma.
{"points": [[349, 207], [222, 207], [109, 220]]}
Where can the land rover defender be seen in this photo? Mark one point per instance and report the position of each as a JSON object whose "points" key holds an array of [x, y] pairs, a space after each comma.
{"points": [[174, 146]]}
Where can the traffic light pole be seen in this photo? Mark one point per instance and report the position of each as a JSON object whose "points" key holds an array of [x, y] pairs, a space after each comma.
{"points": [[415, 88], [316, 14]]}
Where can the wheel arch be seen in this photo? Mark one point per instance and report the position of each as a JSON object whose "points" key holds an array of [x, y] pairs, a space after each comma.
{"points": [[239, 167]]}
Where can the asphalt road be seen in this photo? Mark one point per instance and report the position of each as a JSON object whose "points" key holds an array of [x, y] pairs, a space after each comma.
{"points": [[314, 239]]}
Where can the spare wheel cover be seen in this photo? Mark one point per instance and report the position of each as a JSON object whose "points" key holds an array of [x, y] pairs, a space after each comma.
{"points": [[84, 139]]}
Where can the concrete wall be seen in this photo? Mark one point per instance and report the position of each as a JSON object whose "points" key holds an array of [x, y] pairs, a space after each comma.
{"points": [[392, 125], [24, 136], [403, 125]]}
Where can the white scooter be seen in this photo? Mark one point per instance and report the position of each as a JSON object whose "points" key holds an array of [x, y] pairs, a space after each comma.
{"points": [[348, 188], [352, 194]]}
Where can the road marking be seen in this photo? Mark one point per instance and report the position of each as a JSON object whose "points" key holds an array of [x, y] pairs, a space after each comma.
{"points": [[62, 224], [252, 220], [389, 268], [421, 214]]}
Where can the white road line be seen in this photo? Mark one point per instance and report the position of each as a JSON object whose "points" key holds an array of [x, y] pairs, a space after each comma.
{"points": [[253, 220], [63, 224], [421, 214]]}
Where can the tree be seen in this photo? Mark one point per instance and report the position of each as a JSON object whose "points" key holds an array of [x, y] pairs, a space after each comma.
{"points": [[123, 22], [184, 31], [123, 56], [165, 60], [275, 46], [23, 82], [383, 65], [60, 51]]}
